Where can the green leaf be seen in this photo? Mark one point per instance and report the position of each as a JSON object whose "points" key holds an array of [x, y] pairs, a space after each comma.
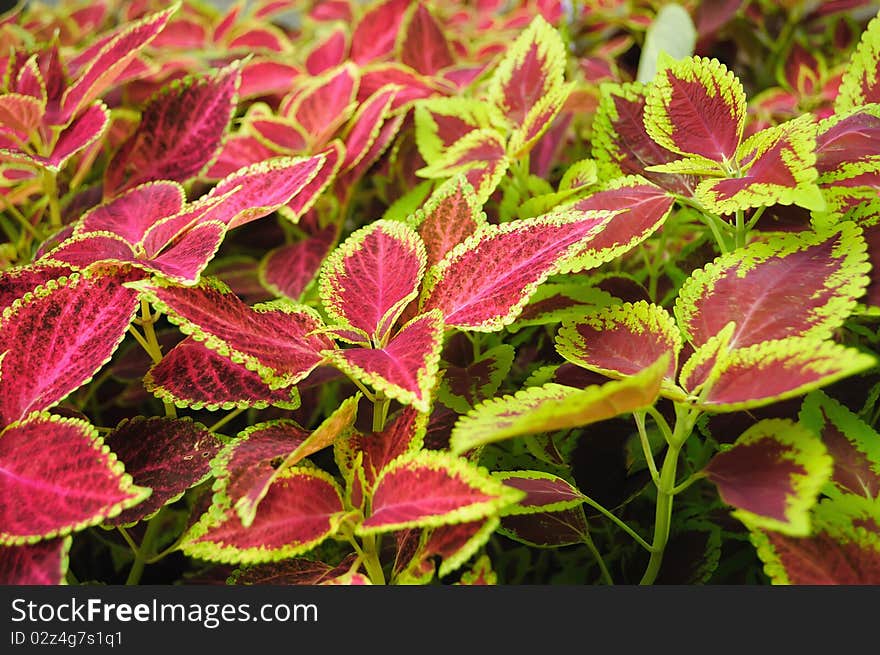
{"points": [[672, 32], [859, 85]]}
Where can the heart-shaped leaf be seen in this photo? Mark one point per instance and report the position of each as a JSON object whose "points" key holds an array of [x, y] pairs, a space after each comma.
{"points": [[42, 563], [44, 495], [772, 475]]}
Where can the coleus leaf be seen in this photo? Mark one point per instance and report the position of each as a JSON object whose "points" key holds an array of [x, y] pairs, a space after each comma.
{"points": [[549, 529], [181, 130], [42, 563], [441, 122], [772, 475], [296, 571], [450, 215], [45, 496], [329, 52], [276, 340], [21, 113], [16, 282], [462, 388], [557, 302], [403, 434], [325, 104], [454, 545], [481, 155], [375, 32], [166, 455], [696, 106], [621, 340], [775, 370], [421, 43], [621, 144], [803, 284], [485, 281], [301, 509], [245, 480], [848, 144], [49, 359], [430, 489], [131, 214], [289, 270], [778, 167], [859, 84], [365, 126], [844, 548], [368, 280], [853, 444], [532, 69], [544, 492], [554, 407], [479, 574], [108, 62], [405, 368]]}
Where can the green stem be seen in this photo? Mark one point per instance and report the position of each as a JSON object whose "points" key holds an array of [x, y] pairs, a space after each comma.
{"points": [[380, 411], [223, 421], [741, 230], [370, 554], [699, 475], [142, 552], [603, 570], [50, 188], [623, 526], [663, 515], [646, 446], [719, 238], [755, 218], [151, 345]]}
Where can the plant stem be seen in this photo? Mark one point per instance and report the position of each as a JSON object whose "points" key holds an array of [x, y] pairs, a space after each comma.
{"points": [[372, 564], [646, 446], [603, 570], [151, 345], [623, 526], [141, 553], [223, 421], [380, 411], [741, 230], [663, 515], [50, 188]]}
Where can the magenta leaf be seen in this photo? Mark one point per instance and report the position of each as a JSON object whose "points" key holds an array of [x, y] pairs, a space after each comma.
{"points": [[772, 475], [430, 489], [406, 368], [424, 47], [16, 282], [367, 282], [289, 270], [328, 53], [376, 31], [325, 105], [449, 216], [42, 563], [403, 434], [188, 256], [296, 571], [43, 495], [261, 188], [274, 339], [109, 61], [547, 529], [191, 375], [181, 129], [484, 282], [544, 492], [803, 284], [365, 126], [166, 455], [82, 132], [49, 358], [300, 510], [454, 544], [131, 214]]}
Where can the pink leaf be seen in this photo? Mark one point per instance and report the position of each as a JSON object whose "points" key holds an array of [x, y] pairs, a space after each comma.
{"points": [[46, 495], [328, 53], [424, 47], [180, 132], [46, 357], [403, 434], [191, 375], [100, 72], [42, 563], [265, 76], [167, 455], [299, 511], [375, 33], [273, 340], [366, 125], [450, 216], [16, 282], [188, 256], [322, 108], [406, 368], [372, 276], [287, 271], [484, 283], [82, 132], [131, 214]]}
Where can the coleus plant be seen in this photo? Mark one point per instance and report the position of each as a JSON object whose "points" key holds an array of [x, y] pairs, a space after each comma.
{"points": [[466, 293]]}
